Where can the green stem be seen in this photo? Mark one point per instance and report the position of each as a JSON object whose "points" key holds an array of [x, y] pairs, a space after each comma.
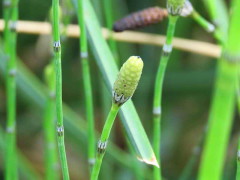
{"points": [[221, 114], [51, 159], [108, 7], [58, 72], [87, 85], [10, 38], [158, 92], [202, 22], [103, 140]]}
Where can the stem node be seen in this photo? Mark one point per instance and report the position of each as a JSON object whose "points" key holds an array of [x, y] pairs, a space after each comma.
{"points": [[56, 46], [60, 130], [102, 145]]}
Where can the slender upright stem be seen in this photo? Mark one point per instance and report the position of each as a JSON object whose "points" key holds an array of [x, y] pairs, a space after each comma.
{"points": [[108, 9], [158, 91], [87, 85], [221, 114], [51, 158], [58, 73], [102, 144], [10, 38]]}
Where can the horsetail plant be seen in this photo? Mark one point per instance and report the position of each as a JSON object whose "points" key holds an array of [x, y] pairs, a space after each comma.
{"points": [[174, 10], [87, 85], [51, 158], [221, 114], [58, 74], [10, 38], [123, 89]]}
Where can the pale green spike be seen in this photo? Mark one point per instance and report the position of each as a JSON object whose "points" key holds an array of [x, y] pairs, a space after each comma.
{"points": [[127, 80]]}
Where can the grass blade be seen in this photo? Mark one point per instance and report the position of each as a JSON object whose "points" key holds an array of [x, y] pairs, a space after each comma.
{"points": [[221, 115]]}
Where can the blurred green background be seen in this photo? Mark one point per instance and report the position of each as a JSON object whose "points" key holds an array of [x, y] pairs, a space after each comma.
{"points": [[187, 93]]}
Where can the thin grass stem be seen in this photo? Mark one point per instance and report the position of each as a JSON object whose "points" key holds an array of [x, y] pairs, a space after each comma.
{"points": [[102, 144], [158, 91], [87, 85], [58, 74]]}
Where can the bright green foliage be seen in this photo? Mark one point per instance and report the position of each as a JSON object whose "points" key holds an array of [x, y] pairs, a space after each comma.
{"points": [[127, 79]]}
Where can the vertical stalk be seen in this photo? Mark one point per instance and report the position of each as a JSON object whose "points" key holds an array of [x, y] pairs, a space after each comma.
{"points": [[51, 159], [221, 114], [102, 144], [108, 7], [58, 73], [10, 38], [87, 85], [157, 101]]}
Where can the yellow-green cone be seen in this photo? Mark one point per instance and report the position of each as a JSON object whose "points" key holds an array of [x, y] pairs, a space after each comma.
{"points": [[175, 7], [127, 80]]}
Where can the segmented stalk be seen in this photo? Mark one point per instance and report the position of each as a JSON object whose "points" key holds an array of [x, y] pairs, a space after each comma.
{"points": [[10, 38], [87, 85], [58, 73], [221, 114], [102, 144], [157, 102]]}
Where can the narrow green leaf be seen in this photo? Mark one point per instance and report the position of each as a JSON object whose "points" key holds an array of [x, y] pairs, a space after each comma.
{"points": [[107, 65]]}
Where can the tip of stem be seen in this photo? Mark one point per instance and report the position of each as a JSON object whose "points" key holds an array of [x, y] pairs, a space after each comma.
{"points": [[151, 161], [211, 28]]}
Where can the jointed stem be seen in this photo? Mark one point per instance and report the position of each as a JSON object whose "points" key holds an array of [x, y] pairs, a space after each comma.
{"points": [[87, 85], [158, 91], [11, 16], [103, 140], [58, 72]]}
